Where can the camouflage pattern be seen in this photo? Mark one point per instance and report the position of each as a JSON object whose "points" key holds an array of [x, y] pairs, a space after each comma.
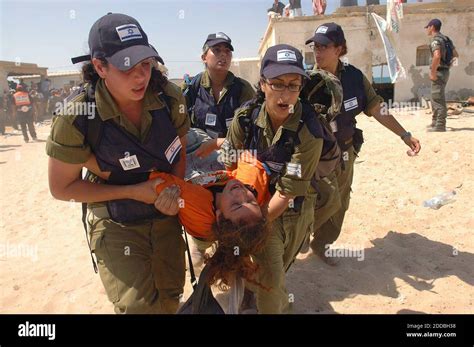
{"points": [[324, 91]]}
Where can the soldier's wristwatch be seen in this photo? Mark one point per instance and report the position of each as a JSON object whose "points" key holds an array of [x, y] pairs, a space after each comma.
{"points": [[405, 134]]}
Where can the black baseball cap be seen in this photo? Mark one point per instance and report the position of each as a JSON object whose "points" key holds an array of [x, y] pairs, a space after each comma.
{"points": [[120, 40], [434, 22], [282, 59], [215, 39], [328, 33]]}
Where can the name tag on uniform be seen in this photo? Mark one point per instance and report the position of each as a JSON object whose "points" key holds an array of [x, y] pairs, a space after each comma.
{"points": [[228, 122], [293, 169], [211, 119], [333, 125], [350, 104], [129, 162], [173, 150]]}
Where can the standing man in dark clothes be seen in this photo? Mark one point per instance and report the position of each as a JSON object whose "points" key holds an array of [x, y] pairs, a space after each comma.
{"points": [[277, 7]]}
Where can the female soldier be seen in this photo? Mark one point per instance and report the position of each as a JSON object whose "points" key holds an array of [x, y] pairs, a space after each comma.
{"points": [[135, 122], [329, 45], [213, 95], [287, 137]]}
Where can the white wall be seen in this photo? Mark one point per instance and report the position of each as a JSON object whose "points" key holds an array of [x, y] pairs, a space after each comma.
{"points": [[366, 49]]}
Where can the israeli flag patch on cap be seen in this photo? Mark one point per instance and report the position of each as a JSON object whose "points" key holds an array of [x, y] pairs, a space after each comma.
{"points": [[128, 32], [322, 29], [286, 55], [222, 36]]}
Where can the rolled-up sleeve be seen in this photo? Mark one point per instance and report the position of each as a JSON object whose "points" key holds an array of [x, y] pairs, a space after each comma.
{"points": [[66, 143], [372, 97]]}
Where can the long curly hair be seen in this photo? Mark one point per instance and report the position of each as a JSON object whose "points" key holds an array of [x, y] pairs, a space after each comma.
{"points": [[236, 242]]}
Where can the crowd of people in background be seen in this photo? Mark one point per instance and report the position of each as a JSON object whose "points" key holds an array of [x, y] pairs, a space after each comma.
{"points": [[42, 98]]}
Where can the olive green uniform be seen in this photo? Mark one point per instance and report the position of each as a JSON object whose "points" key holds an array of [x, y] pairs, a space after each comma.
{"points": [[438, 87], [329, 230], [141, 264], [248, 93], [329, 199], [324, 92], [290, 229]]}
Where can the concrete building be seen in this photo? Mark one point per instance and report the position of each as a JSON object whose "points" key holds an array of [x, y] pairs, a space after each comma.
{"points": [[366, 50], [59, 79], [12, 68]]}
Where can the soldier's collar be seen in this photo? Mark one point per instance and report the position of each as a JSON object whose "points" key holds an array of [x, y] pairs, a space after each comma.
{"points": [[206, 79]]}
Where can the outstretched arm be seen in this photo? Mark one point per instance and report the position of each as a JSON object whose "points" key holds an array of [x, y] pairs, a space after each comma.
{"points": [[388, 121]]}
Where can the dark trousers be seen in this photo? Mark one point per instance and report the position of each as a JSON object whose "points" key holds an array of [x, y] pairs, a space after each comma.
{"points": [[438, 98], [26, 120], [3, 117]]}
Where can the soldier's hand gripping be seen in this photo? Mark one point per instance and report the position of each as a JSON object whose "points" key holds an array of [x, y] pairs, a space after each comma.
{"points": [[168, 201]]}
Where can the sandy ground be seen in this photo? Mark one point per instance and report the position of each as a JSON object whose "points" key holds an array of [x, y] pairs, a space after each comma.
{"points": [[415, 259]]}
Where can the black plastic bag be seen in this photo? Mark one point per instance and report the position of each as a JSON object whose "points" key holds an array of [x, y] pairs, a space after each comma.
{"points": [[202, 301]]}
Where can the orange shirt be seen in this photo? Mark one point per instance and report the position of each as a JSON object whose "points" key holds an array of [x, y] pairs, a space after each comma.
{"points": [[197, 212]]}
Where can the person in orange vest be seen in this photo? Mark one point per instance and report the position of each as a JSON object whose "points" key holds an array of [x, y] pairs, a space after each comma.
{"points": [[24, 112]]}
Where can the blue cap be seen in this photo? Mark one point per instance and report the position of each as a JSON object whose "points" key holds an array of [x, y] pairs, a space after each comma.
{"points": [[215, 39], [434, 22], [280, 60], [328, 33], [120, 40]]}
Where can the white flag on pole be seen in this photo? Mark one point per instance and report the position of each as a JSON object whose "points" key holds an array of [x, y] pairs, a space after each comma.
{"points": [[395, 67]]}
